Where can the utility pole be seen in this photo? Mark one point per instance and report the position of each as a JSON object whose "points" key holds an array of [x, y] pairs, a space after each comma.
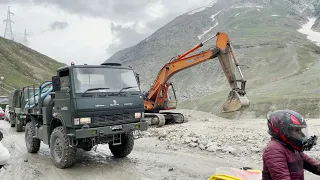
{"points": [[8, 29], [25, 38]]}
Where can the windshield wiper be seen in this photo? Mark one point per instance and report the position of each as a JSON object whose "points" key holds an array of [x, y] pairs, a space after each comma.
{"points": [[129, 87], [92, 89]]}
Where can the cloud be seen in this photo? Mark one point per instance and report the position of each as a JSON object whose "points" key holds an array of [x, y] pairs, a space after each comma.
{"points": [[58, 25], [83, 41], [124, 36], [128, 21]]}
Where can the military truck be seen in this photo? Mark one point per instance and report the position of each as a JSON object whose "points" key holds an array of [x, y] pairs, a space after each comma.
{"points": [[83, 106], [17, 102]]}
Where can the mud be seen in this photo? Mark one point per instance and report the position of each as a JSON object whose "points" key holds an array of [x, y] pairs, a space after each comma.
{"points": [[182, 151]]}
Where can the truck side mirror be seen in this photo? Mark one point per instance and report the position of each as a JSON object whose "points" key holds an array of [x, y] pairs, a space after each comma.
{"points": [[56, 85]]}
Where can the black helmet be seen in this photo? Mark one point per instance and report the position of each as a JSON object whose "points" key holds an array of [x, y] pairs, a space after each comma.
{"points": [[289, 127]]}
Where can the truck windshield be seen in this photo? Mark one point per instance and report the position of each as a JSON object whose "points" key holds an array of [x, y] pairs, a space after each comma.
{"points": [[104, 80]]}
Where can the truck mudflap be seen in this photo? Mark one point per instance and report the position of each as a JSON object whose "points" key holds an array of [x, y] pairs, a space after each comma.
{"points": [[109, 130]]}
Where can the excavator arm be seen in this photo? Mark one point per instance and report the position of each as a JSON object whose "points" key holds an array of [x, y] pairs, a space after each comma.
{"points": [[237, 100]]}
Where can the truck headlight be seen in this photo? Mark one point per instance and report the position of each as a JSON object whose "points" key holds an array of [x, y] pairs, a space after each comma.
{"points": [[137, 115], [78, 121]]}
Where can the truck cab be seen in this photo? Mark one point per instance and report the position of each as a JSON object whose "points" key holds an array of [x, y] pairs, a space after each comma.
{"points": [[83, 106]]}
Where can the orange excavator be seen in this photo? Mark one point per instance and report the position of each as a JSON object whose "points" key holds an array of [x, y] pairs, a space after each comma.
{"points": [[157, 99]]}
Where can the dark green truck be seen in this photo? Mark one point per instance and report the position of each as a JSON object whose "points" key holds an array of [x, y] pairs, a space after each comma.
{"points": [[83, 106], [17, 101]]}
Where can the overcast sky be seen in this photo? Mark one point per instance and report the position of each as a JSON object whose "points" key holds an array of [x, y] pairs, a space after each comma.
{"points": [[89, 30]]}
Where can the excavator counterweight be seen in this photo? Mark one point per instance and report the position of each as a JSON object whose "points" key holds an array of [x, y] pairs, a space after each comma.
{"points": [[157, 99]]}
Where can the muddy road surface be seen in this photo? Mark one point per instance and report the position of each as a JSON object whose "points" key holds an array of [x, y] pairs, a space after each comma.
{"points": [[182, 151]]}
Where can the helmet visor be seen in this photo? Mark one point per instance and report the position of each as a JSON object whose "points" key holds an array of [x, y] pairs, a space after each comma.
{"points": [[299, 132]]}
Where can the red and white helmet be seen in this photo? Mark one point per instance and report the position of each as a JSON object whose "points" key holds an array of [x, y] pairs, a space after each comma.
{"points": [[289, 127]]}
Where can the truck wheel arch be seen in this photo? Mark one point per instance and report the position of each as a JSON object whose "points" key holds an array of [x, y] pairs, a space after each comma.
{"points": [[56, 122]]}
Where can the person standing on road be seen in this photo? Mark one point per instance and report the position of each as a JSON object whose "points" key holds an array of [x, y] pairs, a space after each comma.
{"points": [[4, 153], [283, 158]]}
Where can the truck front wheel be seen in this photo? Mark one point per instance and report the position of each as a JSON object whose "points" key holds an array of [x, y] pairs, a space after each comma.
{"points": [[33, 144], [126, 146], [62, 154]]}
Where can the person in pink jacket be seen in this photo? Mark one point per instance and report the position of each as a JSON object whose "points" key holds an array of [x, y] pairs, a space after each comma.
{"points": [[284, 157]]}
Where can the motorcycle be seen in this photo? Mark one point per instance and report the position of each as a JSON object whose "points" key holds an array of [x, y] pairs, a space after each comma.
{"points": [[230, 173]]}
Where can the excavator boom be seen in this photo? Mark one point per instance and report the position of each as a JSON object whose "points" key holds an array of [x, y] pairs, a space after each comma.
{"points": [[156, 98]]}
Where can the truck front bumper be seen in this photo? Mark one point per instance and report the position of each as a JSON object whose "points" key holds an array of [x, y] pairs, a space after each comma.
{"points": [[109, 130]]}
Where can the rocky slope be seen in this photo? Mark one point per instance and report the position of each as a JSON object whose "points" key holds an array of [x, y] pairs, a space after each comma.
{"points": [[281, 61], [316, 25], [21, 66], [242, 140]]}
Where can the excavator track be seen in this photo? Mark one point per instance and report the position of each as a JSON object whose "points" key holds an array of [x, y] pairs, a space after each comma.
{"points": [[162, 118], [155, 119], [172, 117]]}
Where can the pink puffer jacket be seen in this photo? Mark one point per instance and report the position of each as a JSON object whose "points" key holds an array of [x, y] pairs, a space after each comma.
{"points": [[281, 163]]}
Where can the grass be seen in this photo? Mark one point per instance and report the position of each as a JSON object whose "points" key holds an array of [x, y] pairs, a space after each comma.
{"points": [[21, 66]]}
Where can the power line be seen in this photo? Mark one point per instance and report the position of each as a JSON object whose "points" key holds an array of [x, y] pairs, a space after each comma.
{"points": [[8, 29]]}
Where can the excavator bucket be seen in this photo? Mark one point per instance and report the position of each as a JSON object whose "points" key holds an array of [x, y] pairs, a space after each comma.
{"points": [[235, 102], [237, 99]]}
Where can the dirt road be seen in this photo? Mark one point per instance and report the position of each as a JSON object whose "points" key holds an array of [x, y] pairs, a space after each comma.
{"points": [[185, 151]]}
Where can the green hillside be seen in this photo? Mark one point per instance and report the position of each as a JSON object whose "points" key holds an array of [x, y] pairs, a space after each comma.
{"points": [[21, 66]]}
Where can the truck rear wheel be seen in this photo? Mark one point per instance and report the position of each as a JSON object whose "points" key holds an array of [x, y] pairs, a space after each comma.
{"points": [[126, 146], [62, 154], [33, 144]]}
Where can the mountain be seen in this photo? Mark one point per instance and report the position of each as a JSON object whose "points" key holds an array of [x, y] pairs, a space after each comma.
{"points": [[21, 66], [281, 64]]}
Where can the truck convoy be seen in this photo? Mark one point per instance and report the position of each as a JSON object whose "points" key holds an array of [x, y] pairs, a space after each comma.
{"points": [[83, 106], [156, 100]]}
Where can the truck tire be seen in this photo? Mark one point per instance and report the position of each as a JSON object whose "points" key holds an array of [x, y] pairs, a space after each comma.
{"points": [[59, 141], [125, 148], [32, 144]]}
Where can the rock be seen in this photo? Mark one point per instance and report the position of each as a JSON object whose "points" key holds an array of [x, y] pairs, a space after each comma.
{"points": [[192, 144], [202, 147], [192, 134], [187, 140], [212, 148], [256, 150], [205, 119], [210, 144], [203, 141], [194, 139]]}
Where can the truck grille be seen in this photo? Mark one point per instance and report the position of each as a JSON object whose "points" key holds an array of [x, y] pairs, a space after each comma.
{"points": [[115, 119]]}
